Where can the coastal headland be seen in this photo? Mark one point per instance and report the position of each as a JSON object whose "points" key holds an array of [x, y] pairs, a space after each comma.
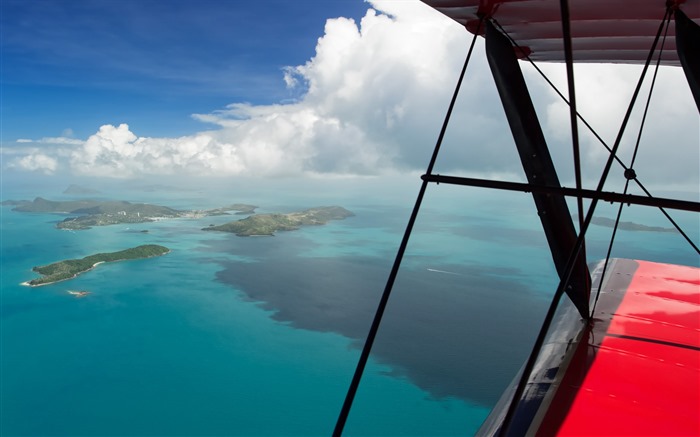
{"points": [[69, 269]]}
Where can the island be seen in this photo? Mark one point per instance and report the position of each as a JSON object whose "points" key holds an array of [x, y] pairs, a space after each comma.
{"points": [[69, 269], [626, 226], [88, 207], [11, 202], [91, 213], [240, 208], [268, 224]]}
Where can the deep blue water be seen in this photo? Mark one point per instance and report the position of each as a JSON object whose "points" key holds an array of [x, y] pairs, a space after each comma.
{"points": [[260, 336]]}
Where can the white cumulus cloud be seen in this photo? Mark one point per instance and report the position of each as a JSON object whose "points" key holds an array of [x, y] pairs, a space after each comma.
{"points": [[35, 162], [374, 93], [118, 152], [372, 100]]}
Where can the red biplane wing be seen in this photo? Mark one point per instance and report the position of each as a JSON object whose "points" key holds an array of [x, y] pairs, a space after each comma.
{"points": [[634, 371]]}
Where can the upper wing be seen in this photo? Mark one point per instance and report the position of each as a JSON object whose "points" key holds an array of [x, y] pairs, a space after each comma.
{"points": [[602, 30]]}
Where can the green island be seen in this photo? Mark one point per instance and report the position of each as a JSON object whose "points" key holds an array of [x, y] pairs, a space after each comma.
{"points": [[268, 224], [69, 269], [103, 213]]}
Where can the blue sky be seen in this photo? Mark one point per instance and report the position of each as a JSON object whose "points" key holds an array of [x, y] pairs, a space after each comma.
{"points": [[79, 64], [308, 88]]}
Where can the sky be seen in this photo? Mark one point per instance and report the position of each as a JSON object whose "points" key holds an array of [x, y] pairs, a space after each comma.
{"points": [[306, 89]]}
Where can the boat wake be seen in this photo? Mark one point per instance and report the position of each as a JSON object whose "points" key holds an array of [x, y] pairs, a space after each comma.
{"points": [[444, 271]]}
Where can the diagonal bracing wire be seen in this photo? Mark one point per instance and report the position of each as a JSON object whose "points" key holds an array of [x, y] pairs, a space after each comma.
{"points": [[563, 283], [630, 173], [374, 328], [600, 140]]}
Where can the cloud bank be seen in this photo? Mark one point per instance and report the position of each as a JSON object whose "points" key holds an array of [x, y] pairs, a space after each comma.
{"points": [[372, 101]]}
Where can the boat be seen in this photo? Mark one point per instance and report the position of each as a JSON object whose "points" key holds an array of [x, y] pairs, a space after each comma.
{"points": [[618, 352]]}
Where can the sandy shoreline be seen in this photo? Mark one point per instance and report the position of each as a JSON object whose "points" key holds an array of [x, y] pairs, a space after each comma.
{"points": [[27, 284]]}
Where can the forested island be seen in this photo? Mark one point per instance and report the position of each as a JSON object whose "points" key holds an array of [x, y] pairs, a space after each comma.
{"points": [[268, 224], [69, 269], [102, 213]]}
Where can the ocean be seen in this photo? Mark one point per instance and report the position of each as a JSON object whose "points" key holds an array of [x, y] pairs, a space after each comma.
{"points": [[259, 336]]}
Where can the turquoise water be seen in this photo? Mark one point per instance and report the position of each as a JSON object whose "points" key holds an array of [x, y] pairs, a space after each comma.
{"points": [[248, 336]]}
